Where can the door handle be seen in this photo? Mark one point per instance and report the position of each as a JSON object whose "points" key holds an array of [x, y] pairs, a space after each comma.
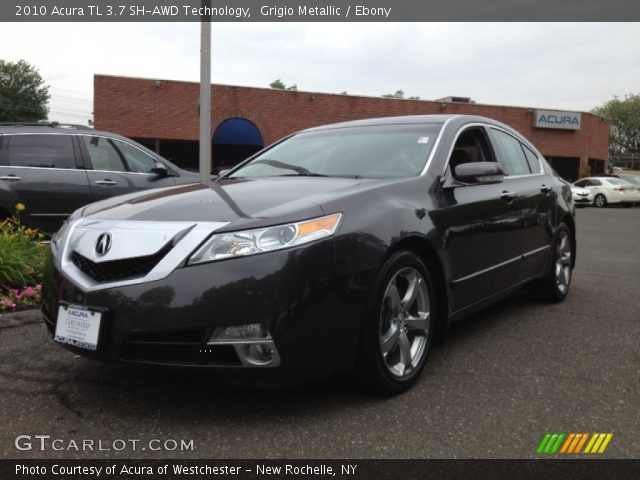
{"points": [[508, 196], [10, 178], [107, 183], [545, 189]]}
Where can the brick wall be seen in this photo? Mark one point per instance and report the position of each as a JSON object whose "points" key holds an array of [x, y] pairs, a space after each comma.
{"points": [[136, 107]]}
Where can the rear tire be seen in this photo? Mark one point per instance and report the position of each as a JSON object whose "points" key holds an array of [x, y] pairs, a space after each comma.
{"points": [[600, 201], [555, 286], [397, 331]]}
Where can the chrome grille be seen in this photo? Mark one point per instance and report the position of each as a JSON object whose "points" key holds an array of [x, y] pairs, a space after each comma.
{"points": [[116, 270]]}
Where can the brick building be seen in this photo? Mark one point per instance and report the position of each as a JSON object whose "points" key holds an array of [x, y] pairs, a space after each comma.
{"points": [[163, 115]]}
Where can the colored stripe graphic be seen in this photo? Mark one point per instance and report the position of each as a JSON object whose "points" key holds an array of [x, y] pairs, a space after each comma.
{"points": [[581, 442], [567, 442], [550, 443], [572, 443], [543, 443], [598, 442]]}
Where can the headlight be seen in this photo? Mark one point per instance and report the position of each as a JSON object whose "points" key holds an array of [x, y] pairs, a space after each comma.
{"points": [[58, 238], [250, 242]]}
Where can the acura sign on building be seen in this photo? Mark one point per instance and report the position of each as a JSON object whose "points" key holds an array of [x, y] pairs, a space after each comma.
{"points": [[556, 119]]}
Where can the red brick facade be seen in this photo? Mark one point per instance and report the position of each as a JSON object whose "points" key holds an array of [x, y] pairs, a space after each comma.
{"points": [[167, 110]]}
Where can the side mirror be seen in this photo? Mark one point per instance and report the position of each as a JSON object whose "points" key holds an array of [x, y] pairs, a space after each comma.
{"points": [[160, 170], [479, 172]]}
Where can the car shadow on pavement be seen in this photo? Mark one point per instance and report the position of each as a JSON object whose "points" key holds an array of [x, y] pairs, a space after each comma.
{"points": [[204, 390], [86, 389]]}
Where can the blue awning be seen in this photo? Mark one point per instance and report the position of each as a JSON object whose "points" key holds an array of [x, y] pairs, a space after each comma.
{"points": [[237, 131]]}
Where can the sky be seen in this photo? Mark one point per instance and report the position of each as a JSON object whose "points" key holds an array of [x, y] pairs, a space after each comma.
{"points": [[570, 66]]}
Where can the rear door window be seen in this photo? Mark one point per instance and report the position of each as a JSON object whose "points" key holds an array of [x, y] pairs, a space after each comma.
{"points": [[45, 151]]}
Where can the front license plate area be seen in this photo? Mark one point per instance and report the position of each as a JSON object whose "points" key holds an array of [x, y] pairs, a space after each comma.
{"points": [[78, 325]]}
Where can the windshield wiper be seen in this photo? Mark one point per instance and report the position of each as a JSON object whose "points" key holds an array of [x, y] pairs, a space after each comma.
{"points": [[286, 166], [303, 174]]}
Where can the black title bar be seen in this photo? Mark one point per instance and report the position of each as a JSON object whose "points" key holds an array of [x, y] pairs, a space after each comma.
{"points": [[319, 10], [583, 469]]}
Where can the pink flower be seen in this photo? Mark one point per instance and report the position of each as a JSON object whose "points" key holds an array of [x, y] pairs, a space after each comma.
{"points": [[39, 287], [8, 302], [28, 291], [15, 293]]}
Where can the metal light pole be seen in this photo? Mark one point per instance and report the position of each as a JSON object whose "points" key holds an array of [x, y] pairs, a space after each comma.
{"points": [[205, 97]]}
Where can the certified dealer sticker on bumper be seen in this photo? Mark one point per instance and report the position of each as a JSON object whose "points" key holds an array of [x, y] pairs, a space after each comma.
{"points": [[78, 326]]}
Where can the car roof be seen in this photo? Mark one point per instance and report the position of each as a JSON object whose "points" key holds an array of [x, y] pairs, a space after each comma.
{"points": [[48, 127], [607, 178], [404, 120]]}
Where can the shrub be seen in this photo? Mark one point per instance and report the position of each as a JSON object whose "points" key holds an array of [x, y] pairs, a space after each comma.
{"points": [[22, 259]]}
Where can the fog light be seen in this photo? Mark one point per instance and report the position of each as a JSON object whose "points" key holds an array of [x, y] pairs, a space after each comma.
{"points": [[252, 343], [260, 352]]}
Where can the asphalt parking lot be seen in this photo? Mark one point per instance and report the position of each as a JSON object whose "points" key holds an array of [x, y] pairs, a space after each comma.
{"points": [[499, 382]]}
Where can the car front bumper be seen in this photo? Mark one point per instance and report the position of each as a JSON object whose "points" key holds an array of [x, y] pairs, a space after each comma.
{"points": [[312, 315], [582, 199]]}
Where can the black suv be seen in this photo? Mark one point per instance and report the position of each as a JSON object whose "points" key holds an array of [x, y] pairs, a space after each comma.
{"points": [[54, 169]]}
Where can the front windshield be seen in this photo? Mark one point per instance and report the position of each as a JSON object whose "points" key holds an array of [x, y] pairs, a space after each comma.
{"points": [[381, 151]]}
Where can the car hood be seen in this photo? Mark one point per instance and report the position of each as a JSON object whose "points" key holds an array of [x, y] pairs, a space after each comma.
{"points": [[243, 201]]}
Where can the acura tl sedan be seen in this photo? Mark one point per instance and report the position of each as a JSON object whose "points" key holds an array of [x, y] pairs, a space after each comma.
{"points": [[342, 248], [610, 190]]}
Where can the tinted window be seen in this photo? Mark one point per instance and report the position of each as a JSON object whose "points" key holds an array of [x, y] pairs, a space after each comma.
{"points": [[103, 155], [594, 183], [532, 159], [51, 151], [136, 159], [511, 155], [372, 151], [116, 156], [581, 183]]}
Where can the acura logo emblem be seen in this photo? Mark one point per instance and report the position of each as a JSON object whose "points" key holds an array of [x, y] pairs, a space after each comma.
{"points": [[103, 244]]}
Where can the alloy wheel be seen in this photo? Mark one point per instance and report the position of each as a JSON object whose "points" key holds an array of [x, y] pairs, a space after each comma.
{"points": [[601, 201], [405, 321], [563, 262]]}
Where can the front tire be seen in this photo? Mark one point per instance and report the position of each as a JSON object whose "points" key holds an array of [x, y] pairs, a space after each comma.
{"points": [[600, 201], [555, 286], [398, 329]]}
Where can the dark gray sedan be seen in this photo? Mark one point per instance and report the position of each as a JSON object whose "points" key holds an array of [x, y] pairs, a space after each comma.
{"points": [[338, 248]]}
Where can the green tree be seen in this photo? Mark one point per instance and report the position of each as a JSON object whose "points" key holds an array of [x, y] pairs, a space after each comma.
{"points": [[398, 94], [624, 117], [279, 84], [23, 94]]}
